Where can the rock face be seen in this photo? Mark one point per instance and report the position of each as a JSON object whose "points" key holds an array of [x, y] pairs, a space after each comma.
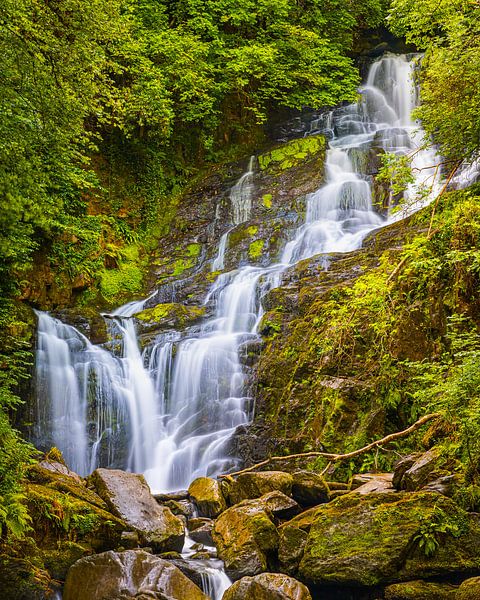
{"points": [[128, 496], [208, 497], [130, 574], [253, 485], [309, 488], [245, 538], [267, 586], [379, 538]]}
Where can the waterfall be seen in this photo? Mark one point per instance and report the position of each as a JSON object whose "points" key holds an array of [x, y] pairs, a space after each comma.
{"points": [[171, 411]]}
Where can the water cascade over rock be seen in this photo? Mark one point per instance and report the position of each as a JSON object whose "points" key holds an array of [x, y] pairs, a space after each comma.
{"points": [[171, 411]]}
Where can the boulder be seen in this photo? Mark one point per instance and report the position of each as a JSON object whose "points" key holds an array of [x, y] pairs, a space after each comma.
{"points": [[123, 575], [253, 485], [377, 483], [469, 589], [400, 468], [420, 590], [207, 496], [377, 539], [280, 505], [203, 533], [245, 537], [420, 473], [128, 496], [309, 488], [293, 537], [267, 586]]}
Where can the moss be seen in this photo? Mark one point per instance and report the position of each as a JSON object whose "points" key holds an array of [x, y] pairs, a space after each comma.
{"points": [[194, 249], [177, 314], [267, 200], [255, 249], [241, 233], [127, 279], [291, 154]]}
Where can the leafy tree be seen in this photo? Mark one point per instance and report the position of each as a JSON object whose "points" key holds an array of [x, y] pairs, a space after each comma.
{"points": [[449, 33]]}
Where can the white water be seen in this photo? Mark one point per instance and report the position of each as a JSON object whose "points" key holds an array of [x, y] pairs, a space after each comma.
{"points": [[171, 411]]}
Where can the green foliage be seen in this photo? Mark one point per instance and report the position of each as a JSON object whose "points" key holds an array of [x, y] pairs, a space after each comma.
{"points": [[435, 527], [449, 32]]}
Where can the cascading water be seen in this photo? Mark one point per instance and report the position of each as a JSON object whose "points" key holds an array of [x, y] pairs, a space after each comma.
{"points": [[171, 411]]}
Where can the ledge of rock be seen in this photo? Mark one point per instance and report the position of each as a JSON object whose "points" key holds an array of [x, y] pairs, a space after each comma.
{"points": [[128, 496]]}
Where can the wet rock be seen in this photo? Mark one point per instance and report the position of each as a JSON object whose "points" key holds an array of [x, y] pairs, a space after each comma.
{"points": [[420, 472], [253, 485], [177, 496], [203, 533], [207, 496], [59, 469], [443, 485], [469, 589], [280, 505], [373, 539], [21, 580], [309, 488], [245, 537], [180, 508], [128, 496], [420, 590], [267, 586], [118, 575], [130, 540]]}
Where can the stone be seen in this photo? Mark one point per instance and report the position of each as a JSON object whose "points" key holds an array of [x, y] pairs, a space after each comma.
{"points": [[309, 488], [419, 474], [128, 496], [401, 467], [293, 537], [123, 575], [203, 534], [375, 539], [207, 496], [420, 590], [245, 538], [60, 469], [443, 485], [179, 495], [469, 589], [280, 505], [377, 483], [267, 586], [253, 485], [21, 580]]}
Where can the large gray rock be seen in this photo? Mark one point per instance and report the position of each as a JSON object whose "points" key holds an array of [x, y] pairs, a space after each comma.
{"points": [[309, 488], [245, 538], [126, 575], [267, 586], [207, 496], [128, 496], [253, 485]]}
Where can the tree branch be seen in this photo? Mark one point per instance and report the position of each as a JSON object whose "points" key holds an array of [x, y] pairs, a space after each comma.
{"points": [[337, 457]]}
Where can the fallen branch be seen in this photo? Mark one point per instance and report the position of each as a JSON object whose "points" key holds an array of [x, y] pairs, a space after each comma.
{"points": [[337, 457]]}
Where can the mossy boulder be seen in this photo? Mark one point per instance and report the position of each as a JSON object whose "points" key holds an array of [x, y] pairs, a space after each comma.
{"points": [[267, 586], [129, 574], [279, 505], [253, 485], [293, 537], [245, 538], [380, 538], [469, 589], [208, 496], [128, 496], [21, 579], [420, 590]]}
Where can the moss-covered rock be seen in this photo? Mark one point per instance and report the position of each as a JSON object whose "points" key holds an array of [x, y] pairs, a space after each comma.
{"points": [[208, 496], [373, 539], [309, 488], [420, 590], [292, 153], [469, 589], [20, 579], [245, 538], [267, 586], [170, 315]]}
